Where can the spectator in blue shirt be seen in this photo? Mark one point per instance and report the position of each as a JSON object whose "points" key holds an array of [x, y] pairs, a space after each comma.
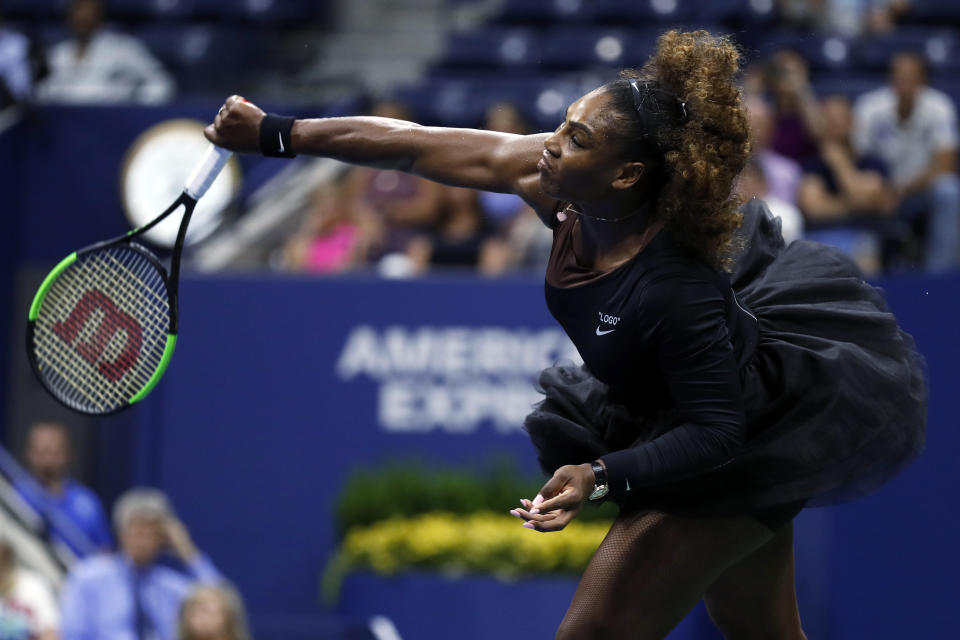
{"points": [[131, 595], [73, 512]]}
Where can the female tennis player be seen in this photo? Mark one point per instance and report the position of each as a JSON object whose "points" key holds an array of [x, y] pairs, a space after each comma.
{"points": [[728, 382]]}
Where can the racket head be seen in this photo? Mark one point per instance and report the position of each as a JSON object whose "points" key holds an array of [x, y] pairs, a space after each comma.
{"points": [[102, 327]]}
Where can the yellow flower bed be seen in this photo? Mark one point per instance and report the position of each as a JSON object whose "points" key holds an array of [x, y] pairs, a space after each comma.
{"points": [[482, 542]]}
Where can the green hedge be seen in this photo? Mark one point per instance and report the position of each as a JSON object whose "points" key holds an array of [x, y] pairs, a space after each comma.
{"points": [[403, 489]]}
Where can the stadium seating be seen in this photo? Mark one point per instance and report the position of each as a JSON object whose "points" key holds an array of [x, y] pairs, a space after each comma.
{"points": [[524, 52], [150, 9], [259, 11], [934, 11], [568, 47], [937, 45], [546, 11], [270, 11], [493, 47]]}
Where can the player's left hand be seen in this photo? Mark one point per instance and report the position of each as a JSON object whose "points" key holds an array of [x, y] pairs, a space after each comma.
{"points": [[560, 499], [236, 126]]}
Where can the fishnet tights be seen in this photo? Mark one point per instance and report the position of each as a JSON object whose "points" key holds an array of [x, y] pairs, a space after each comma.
{"points": [[652, 568]]}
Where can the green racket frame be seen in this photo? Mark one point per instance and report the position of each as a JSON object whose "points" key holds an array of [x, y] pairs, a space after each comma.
{"points": [[200, 180]]}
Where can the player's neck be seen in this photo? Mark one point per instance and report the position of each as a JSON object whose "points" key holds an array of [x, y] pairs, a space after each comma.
{"points": [[605, 242]]}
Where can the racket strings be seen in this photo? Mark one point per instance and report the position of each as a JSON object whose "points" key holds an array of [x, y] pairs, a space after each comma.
{"points": [[103, 331], [102, 328]]}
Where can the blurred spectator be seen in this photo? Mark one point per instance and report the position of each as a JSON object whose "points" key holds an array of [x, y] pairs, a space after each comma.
{"points": [[213, 613], [781, 174], [524, 247], [97, 66], [752, 183], [522, 242], [28, 610], [21, 64], [796, 112], [501, 208], [336, 234], [405, 205], [130, 594], [913, 128], [62, 501], [844, 193], [460, 233], [849, 18]]}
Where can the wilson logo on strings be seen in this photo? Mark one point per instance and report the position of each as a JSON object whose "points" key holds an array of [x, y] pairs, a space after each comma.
{"points": [[113, 321]]}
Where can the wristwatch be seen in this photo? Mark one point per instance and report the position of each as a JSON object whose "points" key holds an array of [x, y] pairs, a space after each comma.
{"points": [[600, 486]]}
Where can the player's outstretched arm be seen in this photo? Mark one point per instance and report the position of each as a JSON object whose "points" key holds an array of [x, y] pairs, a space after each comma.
{"points": [[472, 158]]}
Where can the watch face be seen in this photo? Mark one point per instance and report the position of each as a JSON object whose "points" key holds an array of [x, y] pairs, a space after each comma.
{"points": [[155, 171], [599, 491]]}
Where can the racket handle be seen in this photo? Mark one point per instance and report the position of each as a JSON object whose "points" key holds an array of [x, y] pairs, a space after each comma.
{"points": [[206, 171]]}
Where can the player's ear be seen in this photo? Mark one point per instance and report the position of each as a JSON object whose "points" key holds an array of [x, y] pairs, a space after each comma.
{"points": [[628, 175]]}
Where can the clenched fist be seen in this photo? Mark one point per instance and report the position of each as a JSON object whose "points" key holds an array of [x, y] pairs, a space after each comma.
{"points": [[237, 126]]}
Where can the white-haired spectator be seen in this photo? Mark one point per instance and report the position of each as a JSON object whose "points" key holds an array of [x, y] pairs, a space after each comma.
{"points": [[913, 128], [98, 66], [213, 613], [28, 610], [130, 594]]}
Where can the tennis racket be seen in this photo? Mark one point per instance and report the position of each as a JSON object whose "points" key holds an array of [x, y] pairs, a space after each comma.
{"points": [[102, 327]]}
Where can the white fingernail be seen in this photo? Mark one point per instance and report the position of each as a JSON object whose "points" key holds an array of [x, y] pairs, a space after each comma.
{"points": [[535, 511], [537, 500]]}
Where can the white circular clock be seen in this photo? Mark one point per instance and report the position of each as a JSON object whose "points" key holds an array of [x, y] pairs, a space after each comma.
{"points": [[155, 171]]}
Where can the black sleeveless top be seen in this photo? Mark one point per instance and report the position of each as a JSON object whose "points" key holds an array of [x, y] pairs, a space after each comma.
{"points": [[663, 330]]}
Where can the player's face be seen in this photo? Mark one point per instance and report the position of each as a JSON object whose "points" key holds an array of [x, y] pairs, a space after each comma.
{"points": [[579, 162]]}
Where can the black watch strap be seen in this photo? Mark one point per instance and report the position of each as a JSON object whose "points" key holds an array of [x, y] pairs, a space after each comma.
{"points": [[275, 136], [599, 473]]}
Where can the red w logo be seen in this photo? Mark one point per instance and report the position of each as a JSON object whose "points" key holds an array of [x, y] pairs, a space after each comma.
{"points": [[113, 321]]}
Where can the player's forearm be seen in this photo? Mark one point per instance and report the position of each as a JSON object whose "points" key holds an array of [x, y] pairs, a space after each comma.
{"points": [[458, 157], [360, 140], [683, 452], [461, 157]]}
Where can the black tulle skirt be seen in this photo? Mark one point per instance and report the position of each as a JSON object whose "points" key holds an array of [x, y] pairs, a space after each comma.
{"points": [[835, 392]]}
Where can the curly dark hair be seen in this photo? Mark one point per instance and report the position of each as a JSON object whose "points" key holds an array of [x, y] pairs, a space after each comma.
{"points": [[687, 122]]}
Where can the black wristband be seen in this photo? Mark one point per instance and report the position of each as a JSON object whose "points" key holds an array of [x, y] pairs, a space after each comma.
{"points": [[275, 136]]}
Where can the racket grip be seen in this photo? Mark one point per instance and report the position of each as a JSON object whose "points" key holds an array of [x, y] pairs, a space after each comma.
{"points": [[206, 171]]}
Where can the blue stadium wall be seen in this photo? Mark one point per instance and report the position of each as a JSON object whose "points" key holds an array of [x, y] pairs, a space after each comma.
{"points": [[281, 385]]}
